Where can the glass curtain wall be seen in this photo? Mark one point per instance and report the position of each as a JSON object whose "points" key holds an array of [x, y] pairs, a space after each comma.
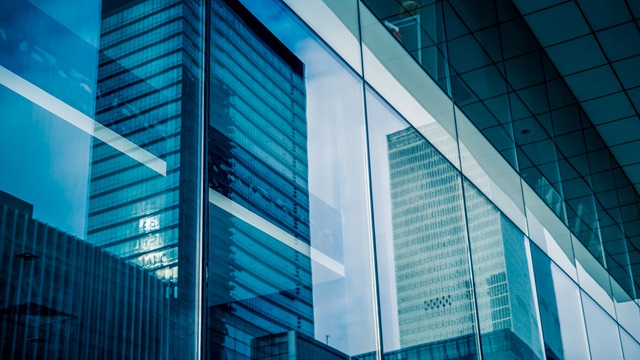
{"points": [[269, 179], [290, 244], [486, 58], [100, 201]]}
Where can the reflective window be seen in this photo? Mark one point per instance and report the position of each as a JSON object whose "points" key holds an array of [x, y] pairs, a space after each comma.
{"points": [[100, 212], [507, 311], [426, 291], [561, 314], [290, 256], [604, 340], [630, 347]]}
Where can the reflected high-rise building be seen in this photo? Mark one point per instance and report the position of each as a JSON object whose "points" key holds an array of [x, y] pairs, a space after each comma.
{"points": [[144, 155], [258, 178], [433, 276], [144, 175], [430, 245]]}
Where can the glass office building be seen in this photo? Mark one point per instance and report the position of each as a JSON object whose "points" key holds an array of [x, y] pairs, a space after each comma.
{"points": [[320, 179]]}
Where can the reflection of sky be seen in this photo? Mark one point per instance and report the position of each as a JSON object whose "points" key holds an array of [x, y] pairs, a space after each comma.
{"points": [[66, 12], [45, 161], [383, 121]]}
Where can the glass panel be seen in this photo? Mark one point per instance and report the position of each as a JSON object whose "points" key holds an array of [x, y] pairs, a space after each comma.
{"points": [[604, 340], [627, 311], [336, 22], [548, 232], [290, 246], [506, 307], [593, 278], [101, 213], [565, 336], [630, 346], [426, 293], [53, 47], [488, 170], [399, 78]]}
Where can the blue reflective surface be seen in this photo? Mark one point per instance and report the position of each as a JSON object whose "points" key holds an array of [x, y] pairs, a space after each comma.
{"points": [[187, 179]]}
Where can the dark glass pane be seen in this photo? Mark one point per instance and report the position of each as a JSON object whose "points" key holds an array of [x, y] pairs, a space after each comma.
{"points": [[290, 261]]}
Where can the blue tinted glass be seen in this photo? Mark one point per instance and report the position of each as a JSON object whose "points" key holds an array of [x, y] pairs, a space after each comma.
{"points": [[103, 203], [604, 340], [426, 292], [506, 308], [52, 48], [289, 246], [560, 310], [630, 347]]}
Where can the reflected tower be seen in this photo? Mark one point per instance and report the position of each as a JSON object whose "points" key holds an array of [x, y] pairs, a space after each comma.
{"points": [[433, 278], [144, 177], [430, 246], [144, 155], [260, 270]]}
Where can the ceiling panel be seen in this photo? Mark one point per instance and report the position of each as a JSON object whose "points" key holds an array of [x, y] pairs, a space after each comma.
{"points": [[593, 83], [557, 24], [576, 55], [620, 42], [627, 71], [627, 154], [608, 108], [620, 131], [603, 14]]}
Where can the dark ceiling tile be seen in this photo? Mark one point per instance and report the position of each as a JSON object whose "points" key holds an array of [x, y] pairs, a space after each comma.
{"points": [[524, 71], [486, 82], [628, 72], [466, 54], [634, 94], [620, 131], [593, 83], [566, 120], [559, 94], [517, 38], [627, 154], [602, 14], [608, 108], [559, 23], [576, 55], [620, 42], [476, 14], [528, 6]]}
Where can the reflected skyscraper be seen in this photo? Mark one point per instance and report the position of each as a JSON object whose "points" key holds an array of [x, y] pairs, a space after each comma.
{"points": [[432, 264], [430, 246], [144, 174], [146, 110], [258, 178]]}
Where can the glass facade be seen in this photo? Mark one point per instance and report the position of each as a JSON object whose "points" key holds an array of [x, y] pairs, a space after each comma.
{"points": [[319, 179]]}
